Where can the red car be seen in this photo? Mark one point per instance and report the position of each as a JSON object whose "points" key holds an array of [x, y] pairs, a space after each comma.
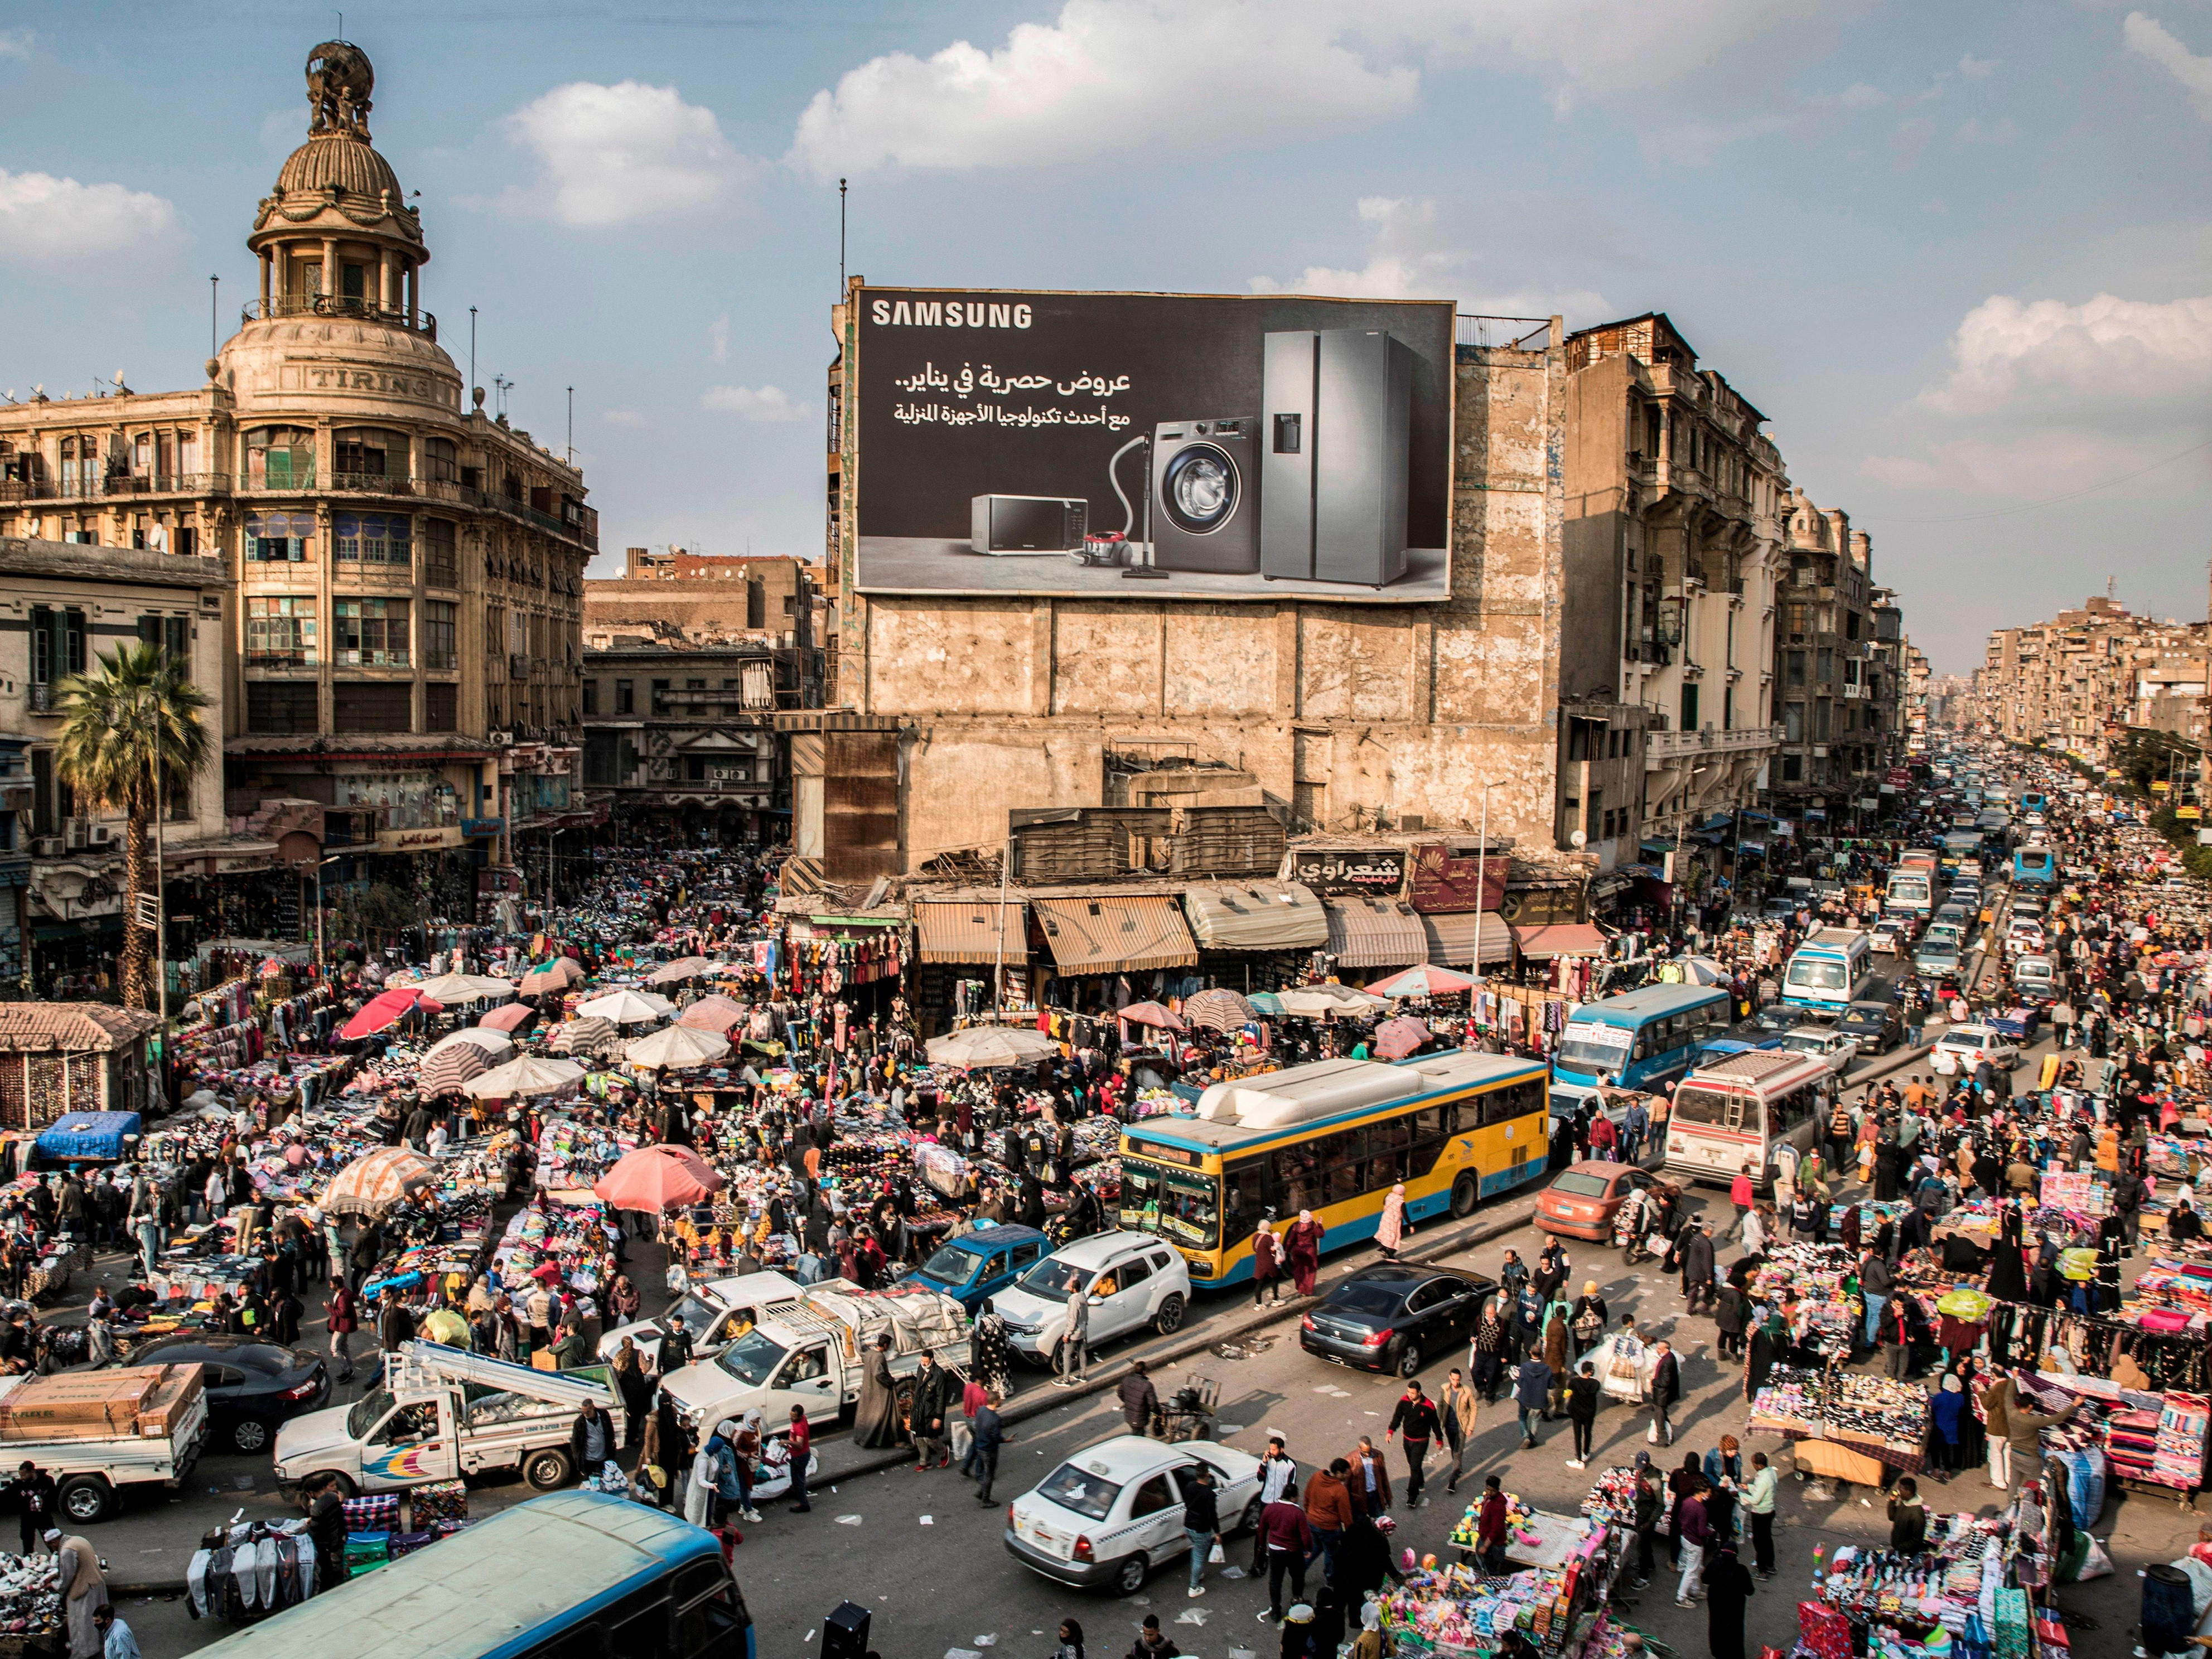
{"points": [[1583, 1199]]}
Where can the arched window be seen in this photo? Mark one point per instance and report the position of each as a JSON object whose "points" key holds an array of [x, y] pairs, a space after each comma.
{"points": [[279, 538], [280, 458]]}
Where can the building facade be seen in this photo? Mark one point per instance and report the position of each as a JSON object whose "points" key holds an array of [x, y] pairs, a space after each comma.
{"points": [[1827, 679], [2076, 681], [683, 738]]}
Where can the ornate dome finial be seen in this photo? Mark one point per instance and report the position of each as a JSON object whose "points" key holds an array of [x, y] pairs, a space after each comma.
{"points": [[339, 81]]}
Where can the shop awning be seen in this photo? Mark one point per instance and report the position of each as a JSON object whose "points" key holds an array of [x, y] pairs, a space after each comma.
{"points": [[1113, 934], [1451, 937], [1256, 915], [1559, 938], [1364, 932], [969, 933]]}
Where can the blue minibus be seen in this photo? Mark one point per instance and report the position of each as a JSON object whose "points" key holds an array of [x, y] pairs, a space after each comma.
{"points": [[2034, 866], [1639, 1039], [1830, 971]]}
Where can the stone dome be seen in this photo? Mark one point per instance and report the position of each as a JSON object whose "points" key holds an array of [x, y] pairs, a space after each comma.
{"points": [[342, 160]]}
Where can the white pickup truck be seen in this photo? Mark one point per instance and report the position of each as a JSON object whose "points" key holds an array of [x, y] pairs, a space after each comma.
{"points": [[441, 1413], [44, 1420], [810, 1352], [715, 1314]]}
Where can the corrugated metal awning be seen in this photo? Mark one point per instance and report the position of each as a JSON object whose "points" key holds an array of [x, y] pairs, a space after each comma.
{"points": [[1451, 937], [953, 932], [1559, 938], [1366, 933], [1256, 915], [1110, 934]]}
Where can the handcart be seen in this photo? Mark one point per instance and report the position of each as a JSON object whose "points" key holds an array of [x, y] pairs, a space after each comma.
{"points": [[1188, 1412]]}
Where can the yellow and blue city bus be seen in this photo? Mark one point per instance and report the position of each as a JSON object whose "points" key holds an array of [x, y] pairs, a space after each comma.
{"points": [[1333, 1138]]}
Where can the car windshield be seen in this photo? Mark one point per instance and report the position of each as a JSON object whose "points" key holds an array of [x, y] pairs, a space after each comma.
{"points": [[1805, 1042], [1821, 974], [950, 1265], [1575, 1184], [698, 1316], [1695, 1105], [752, 1358], [1054, 1278], [1383, 1299], [1089, 1495], [367, 1413]]}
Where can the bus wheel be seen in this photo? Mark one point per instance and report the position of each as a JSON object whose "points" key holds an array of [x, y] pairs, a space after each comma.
{"points": [[1466, 1193]]}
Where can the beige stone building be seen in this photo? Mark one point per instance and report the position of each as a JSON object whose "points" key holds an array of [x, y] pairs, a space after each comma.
{"points": [[407, 570], [2071, 682]]}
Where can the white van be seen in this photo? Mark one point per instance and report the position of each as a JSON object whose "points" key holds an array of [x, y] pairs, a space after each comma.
{"points": [[1739, 1111]]}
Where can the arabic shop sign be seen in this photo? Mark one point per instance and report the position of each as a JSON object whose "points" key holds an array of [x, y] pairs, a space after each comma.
{"points": [[416, 841], [1334, 871], [1445, 878]]}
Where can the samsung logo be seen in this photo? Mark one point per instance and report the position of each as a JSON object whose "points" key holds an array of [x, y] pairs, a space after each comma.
{"points": [[946, 313]]}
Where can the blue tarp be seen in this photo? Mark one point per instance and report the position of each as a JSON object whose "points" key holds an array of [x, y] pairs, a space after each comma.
{"points": [[88, 1134]]}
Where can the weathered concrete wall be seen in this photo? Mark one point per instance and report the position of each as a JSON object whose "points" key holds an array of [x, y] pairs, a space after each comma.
{"points": [[1351, 712], [1595, 538]]}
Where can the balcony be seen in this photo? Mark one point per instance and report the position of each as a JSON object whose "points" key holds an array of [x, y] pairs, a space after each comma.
{"points": [[40, 698], [303, 656], [336, 305], [298, 482], [1744, 739]]}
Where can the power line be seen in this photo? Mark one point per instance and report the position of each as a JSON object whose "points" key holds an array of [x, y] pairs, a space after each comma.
{"points": [[2054, 500]]}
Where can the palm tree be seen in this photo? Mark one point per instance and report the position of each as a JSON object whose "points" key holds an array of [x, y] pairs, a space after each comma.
{"points": [[137, 712]]}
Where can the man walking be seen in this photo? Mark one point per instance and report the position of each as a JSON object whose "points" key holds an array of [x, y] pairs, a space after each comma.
{"points": [[1458, 1408], [1532, 1387], [1417, 1416], [1140, 1402], [1697, 1265], [1666, 1389], [931, 1409], [1075, 1340], [34, 1490], [801, 1442], [1697, 1532], [990, 1435], [1202, 1522], [1582, 1412]]}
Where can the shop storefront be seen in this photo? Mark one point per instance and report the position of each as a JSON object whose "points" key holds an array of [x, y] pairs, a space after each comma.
{"points": [[961, 947], [1255, 935], [1108, 951]]}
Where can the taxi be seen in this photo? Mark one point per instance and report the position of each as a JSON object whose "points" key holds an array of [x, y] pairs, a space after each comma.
{"points": [[1113, 1512]]}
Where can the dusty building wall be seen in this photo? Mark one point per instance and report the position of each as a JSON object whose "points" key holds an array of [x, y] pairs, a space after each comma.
{"points": [[1354, 715], [1595, 538]]}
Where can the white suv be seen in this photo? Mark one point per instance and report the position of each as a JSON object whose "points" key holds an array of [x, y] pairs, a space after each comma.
{"points": [[1130, 1280]]}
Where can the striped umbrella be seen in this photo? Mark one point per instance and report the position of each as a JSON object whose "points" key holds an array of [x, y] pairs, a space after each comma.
{"points": [[445, 1071], [676, 972], [582, 1036], [1150, 1013], [554, 975], [716, 1013], [677, 1046], [497, 1044], [1218, 1010], [378, 1180], [1425, 980]]}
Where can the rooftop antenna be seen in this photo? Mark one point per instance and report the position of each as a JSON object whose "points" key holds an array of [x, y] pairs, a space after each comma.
{"points": [[840, 235], [572, 426], [504, 385]]}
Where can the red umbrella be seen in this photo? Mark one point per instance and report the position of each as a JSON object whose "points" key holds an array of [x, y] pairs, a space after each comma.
{"points": [[1150, 1013], [1396, 1038], [507, 1017], [657, 1179], [388, 1008]]}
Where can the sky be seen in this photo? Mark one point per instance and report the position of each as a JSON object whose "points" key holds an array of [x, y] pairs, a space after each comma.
{"points": [[1961, 255]]}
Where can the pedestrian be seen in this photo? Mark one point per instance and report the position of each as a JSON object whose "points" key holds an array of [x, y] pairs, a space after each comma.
{"points": [[929, 1415], [1288, 1543], [1075, 1338], [34, 1490], [990, 1434], [1140, 1400], [1728, 1587], [1266, 1266], [1696, 1259], [326, 1527], [801, 1442], [875, 1419], [1532, 1387], [116, 1640], [1150, 1643], [1583, 1392], [1416, 1416], [1070, 1644], [1370, 1481], [1665, 1389], [84, 1591], [1391, 1231], [1302, 1247], [1202, 1522], [1460, 1407], [1695, 1532], [1329, 1513], [1743, 1194], [1490, 1527], [1758, 1506]]}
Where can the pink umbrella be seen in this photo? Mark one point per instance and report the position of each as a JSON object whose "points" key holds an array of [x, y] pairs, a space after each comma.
{"points": [[1150, 1013], [388, 1008], [508, 1017], [657, 1179], [716, 1013], [1427, 980], [1396, 1038]]}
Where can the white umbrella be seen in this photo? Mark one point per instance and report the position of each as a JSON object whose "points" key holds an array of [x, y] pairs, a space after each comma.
{"points": [[628, 1007], [677, 1046], [497, 1044], [453, 989], [1315, 1000], [525, 1074], [992, 1045], [1702, 971]]}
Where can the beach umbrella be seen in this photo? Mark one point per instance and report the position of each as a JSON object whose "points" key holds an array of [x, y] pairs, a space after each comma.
{"points": [[1218, 1010], [510, 1018], [446, 1070], [525, 1074], [1267, 1003], [1702, 970], [388, 1008], [496, 1043], [1396, 1038], [542, 982], [716, 1013], [453, 989], [1426, 980], [581, 1035], [992, 1045], [677, 1046], [1312, 1001], [1150, 1013], [378, 1182], [684, 967], [628, 1007], [657, 1179]]}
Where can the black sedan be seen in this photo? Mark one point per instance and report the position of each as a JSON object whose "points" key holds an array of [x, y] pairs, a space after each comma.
{"points": [[251, 1386], [1875, 1024], [1392, 1316]]}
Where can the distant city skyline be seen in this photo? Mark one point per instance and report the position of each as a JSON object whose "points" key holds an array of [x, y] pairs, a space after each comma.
{"points": [[1957, 256]]}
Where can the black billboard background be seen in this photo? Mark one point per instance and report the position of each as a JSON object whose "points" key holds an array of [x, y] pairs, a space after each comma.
{"points": [[1184, 358]]}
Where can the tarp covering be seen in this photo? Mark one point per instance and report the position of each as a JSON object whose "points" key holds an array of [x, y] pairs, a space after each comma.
{"points": [[1559, 938], [1452, 934], [1256, 915], [1373, 933], [88, 1134], [1113, 934]]}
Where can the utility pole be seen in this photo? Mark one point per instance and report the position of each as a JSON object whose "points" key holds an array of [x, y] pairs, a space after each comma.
{"points": [[1006, 871], [1481, 879], [469, 403], [215, 327], [841, 236]]}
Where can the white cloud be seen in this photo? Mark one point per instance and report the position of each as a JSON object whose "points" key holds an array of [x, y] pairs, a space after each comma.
{"points": [[2044, 355], [1414, 255], [1977, 69], [15, 43], [627, 151], [2026, 466], [717, 339], [1108, 77], [1975, 131], [768, 404], [629, 417], [2148, 37], [1857, 95], [43, 217]]}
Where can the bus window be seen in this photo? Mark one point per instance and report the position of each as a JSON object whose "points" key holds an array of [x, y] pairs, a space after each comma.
{"points": [[1245, 1198], [580, 1642], [1299, 1174], [710, 1620], [1346, 1182], [1643, 1043], [1387, 1143]]}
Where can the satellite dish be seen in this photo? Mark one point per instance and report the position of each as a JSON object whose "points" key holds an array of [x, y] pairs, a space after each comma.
{"points": [[118, 377], [1580, 838]]}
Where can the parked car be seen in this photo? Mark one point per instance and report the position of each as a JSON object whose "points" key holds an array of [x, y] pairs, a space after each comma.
{"points": [[1876, 1027], [1827, 1042], [1131, 1280], [1583, 1199], [1936, 959], [977, 1265], [1962, 1048], [1392, 1316], [1112, 1512], [253, 1386]]}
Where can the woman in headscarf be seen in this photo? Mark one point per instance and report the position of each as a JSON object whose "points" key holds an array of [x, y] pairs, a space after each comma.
{"points": [[990, 1357], [1760, 1354], [635, 1388], [1303, 1245], [2008, 1274], [876, 1421], [1391, 1228], [1586, 1320], [1728, 1587]]}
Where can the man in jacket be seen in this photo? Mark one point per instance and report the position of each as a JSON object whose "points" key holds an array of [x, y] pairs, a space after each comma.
{"points": [[1532, 1387], [1289, 1542], [1416, 1416], [1583, 1389], [932, 1411], [1666, 1389], [1697, 1265], [34, 1490], [1997, 1406], [1202, 1522], [1459, 1408], [1490, 1526], [2024, 1429], [1759, 1505], [1874, 1290], [1140, 1402], [590, 1441], [990, 1432], [326, 1526], [1697, 1534], [1328, 1512]]}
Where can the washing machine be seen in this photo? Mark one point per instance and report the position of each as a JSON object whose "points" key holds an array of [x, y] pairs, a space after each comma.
{"points": [[1206, 495]]}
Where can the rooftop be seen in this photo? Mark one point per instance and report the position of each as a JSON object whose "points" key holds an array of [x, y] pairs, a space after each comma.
{"points": [[70, 1027]]}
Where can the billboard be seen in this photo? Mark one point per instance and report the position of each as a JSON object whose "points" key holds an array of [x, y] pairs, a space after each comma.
{"points": [[1150, 445]]}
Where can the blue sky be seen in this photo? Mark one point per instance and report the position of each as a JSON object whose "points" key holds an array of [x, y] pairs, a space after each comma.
{"points": [[1961, 255]]}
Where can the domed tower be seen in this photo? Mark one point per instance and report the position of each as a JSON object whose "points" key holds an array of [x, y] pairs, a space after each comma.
{"points": [[337, 237]]}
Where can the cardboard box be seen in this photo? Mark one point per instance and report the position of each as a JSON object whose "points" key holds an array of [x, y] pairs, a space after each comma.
{"points": [[181, 1386], [85, 1406]]}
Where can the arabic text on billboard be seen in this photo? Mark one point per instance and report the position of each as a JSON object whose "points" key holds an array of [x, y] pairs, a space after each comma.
{"points": [[1335, 872]]}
